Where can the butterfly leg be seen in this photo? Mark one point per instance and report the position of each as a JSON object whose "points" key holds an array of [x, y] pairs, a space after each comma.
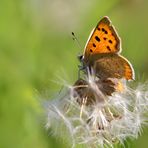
{"points": [[81, 68]]}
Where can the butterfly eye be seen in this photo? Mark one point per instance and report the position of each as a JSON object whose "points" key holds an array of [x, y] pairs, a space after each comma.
{"points": [[80, 57]]}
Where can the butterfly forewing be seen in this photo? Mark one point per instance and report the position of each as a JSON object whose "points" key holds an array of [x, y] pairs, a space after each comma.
{"points": [[104, 39], [101, 53]]}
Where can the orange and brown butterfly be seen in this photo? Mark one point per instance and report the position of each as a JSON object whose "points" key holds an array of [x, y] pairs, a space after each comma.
{"points": [[102, 53], [102, 57]]}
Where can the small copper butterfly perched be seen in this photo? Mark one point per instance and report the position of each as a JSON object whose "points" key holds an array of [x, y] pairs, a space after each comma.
{"points": [[102, 59], [102, 53]]}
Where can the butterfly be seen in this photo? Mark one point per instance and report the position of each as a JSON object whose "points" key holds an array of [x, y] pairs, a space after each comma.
{"points": [[102, 53]]}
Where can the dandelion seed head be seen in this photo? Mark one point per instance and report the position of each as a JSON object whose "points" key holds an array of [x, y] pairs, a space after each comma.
{"points": [[96, 112]]}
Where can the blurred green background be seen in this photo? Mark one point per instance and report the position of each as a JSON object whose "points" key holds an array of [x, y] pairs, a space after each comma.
{"points": [[36, 49]]}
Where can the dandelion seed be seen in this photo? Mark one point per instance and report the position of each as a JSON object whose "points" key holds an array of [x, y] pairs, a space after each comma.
{"points": [[96, 112]]}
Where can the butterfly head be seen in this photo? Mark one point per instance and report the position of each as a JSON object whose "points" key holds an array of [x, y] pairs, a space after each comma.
{"points": [[80, 58]]}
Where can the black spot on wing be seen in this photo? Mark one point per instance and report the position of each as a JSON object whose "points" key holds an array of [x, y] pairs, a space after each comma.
{"points": [[110, 41], [94, 45], [104, 31], [108, 48], [90, 50], [97, 38]]}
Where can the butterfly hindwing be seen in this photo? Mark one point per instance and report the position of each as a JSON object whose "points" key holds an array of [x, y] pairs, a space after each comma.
{"points": [[113, 66]]}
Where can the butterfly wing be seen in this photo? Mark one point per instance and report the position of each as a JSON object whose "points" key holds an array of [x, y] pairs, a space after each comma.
{"points": [[103, 39], [113, 66]]}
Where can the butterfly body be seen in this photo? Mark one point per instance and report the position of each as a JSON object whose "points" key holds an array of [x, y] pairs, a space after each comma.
{"points": [[102, 53]]}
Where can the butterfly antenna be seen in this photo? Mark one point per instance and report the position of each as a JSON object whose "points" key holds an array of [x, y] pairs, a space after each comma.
{"points": [[75, 39]]}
